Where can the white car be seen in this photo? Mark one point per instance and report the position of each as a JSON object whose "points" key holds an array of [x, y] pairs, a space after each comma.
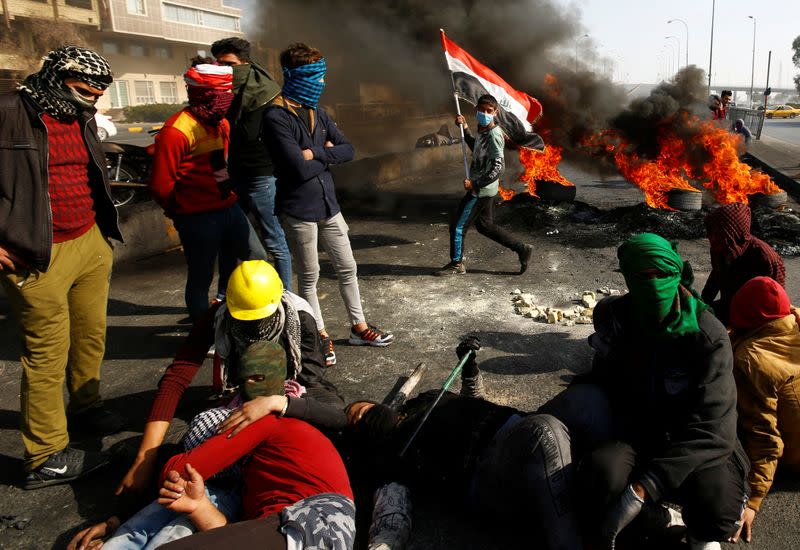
{"points": [[105, 127]]}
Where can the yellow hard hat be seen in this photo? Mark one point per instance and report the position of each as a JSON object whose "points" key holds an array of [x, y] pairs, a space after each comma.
{"points": [[254, 291]]}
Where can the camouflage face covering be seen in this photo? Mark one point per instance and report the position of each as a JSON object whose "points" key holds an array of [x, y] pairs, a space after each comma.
{"points": [[262, 370], [47, 87]]}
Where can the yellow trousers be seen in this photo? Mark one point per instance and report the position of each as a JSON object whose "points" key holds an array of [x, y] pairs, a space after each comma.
{"points": [[62, 317]]}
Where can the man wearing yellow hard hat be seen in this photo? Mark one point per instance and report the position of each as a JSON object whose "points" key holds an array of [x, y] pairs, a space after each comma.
{"points": [[257, 309]]}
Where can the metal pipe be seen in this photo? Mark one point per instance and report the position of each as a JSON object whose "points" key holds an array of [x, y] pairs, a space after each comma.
{"points": [[453, 374]]}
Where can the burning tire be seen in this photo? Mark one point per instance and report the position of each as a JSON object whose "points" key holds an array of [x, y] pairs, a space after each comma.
{"points": [[552, 191], [685, 201], [774, 200]]}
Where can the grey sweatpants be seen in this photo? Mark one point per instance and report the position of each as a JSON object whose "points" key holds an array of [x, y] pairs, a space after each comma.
{"points": [[303, 237]]}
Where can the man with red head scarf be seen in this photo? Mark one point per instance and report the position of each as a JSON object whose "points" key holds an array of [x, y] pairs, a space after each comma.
{"points": [[736, 256], [766, 364], [190, 181]]}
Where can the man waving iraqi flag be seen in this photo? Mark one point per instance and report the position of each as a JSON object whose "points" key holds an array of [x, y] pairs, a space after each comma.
{"points": [[471, 79]]}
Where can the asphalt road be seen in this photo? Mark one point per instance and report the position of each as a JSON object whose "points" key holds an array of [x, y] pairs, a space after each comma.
{"points": [[398, 240], [785, 129]]}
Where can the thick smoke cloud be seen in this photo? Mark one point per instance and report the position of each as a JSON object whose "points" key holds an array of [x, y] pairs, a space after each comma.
{"points": [[640, 122], [396, 42]]}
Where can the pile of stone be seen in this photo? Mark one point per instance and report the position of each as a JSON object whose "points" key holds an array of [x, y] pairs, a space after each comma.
{"points": [[579, 314]]}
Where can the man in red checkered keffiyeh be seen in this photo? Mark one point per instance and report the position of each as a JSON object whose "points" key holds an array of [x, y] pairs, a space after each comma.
{"points": [[736, 256]]}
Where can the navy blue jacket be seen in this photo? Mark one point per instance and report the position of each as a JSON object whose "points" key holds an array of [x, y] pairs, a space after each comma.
{"points": [[305, 188]]}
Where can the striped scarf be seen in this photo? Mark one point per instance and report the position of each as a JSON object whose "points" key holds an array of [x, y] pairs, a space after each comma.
{"points": [[304, 84]]}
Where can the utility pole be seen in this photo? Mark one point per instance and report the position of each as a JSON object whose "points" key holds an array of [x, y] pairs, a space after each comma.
{"points": [[711, 48], [753, 68], [766, 89]]}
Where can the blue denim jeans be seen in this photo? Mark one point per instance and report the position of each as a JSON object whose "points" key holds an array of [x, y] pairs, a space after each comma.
{"points": [[155, 525], [205, 236], [257, 196]]}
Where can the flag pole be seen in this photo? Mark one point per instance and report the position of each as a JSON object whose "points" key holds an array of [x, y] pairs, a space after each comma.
{"points": [[458, 111]]}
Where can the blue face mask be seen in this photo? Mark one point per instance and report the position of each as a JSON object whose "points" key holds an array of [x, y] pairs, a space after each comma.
{"points": [[484, 119]]}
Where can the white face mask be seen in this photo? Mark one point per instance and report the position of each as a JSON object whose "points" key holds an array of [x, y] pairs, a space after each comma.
{"points": [[80, 100]]}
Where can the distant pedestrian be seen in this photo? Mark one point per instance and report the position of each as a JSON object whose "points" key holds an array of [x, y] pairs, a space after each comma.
{"points": [[250, 163], [488, 164], [190, 181], [715, 106], [742, 130], [55, 257], [304, 143]]}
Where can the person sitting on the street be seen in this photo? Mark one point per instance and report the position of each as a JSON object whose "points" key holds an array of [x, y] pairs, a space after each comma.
{"points": [[56, 220], [736, 256], [304, 143], [257, 308], [493, 457], [295, 489], [766, 362], [742, 130], [662, 377], [190, 182], [477, 205], [261, 373]]}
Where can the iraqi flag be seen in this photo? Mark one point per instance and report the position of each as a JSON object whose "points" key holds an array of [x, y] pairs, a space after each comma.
{"points": [[471, 79]]}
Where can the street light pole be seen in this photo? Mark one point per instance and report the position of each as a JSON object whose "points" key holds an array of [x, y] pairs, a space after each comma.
{"points": [[678, 61], [687, 36], [753, 68], [671, 60], [577, 42], [711, 48]]}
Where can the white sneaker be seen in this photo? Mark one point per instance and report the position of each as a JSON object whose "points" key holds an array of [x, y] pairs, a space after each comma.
{"points": [[695, 544]]}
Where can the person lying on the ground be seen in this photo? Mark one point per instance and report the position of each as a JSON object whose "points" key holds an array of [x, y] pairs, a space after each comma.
{"points": [[766, 364], [736, 256], [495, 458], [295, 489], [663, 379], [257, 308], [262, 373]]}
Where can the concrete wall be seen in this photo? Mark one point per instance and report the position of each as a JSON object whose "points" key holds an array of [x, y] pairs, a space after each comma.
{"points": [[147, 231], [41, 10]]}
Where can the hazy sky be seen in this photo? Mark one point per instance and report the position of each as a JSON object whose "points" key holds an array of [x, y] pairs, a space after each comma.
{"points": [[634, 31]]}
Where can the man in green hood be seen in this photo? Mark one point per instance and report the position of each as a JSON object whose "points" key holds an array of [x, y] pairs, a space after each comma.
{"points": [[249, 162], [662, 384]]}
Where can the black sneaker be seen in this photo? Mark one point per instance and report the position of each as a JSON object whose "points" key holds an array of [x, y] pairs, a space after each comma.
{"points": [[327, 351], [453, 268], [524, 258], [96, 421], [65, 466]]}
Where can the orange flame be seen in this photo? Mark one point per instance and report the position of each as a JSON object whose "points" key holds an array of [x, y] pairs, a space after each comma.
{"points": [[707, 154], [540, 165], [724, 174]]}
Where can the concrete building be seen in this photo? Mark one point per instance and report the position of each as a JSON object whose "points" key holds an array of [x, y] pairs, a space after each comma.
{"points": [[147, 42]]}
